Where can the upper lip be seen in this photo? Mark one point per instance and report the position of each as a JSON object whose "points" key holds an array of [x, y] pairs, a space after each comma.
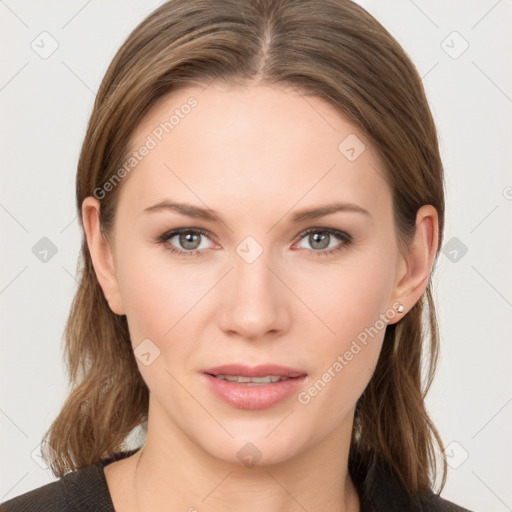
{"points": [[261, 370]]}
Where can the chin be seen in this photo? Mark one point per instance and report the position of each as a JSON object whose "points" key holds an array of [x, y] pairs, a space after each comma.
{"points": [[256, 445]]}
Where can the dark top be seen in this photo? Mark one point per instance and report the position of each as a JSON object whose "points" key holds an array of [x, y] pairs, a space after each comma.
{"points": [[86, 490]]}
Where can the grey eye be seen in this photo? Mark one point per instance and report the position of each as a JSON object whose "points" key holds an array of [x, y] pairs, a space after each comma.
{"points": [[319, 240], [189, 241]]}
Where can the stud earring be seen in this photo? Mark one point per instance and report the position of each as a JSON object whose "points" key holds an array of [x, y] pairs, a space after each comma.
{"points": [[400, 308]]}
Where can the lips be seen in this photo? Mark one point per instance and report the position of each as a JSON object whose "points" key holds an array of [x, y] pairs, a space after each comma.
{"points": [[254, 387]]}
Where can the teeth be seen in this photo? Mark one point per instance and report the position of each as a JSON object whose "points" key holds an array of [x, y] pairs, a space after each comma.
{"points": [[251, 381]]}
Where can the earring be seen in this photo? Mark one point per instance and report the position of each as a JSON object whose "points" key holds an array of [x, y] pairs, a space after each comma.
{"points": [[400, 308]]}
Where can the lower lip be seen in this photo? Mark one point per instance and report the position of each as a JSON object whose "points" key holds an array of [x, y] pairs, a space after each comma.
{"points": [[261, 396]]}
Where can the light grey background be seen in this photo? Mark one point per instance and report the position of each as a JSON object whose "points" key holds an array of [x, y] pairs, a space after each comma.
{"points": [[45, 106]]}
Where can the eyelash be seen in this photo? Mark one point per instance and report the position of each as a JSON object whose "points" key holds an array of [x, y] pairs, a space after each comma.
{"points": [[344, 237]]}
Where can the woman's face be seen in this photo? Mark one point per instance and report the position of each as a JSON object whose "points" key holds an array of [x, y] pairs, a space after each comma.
{"points": [[287, 257]]}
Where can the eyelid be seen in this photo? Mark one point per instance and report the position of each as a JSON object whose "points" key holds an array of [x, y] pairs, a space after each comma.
{"points": [[173, 232], [332, 231]]}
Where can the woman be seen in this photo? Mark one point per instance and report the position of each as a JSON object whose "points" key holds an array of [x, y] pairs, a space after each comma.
{"points": [[261, 197]]}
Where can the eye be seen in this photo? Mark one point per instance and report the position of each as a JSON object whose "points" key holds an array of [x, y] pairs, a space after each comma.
{"points": [[191, 242], [325, 241], [185, 241]]}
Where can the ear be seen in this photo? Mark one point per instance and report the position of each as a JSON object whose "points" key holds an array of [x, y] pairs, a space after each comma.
{"points": [[101, 255], [416, 264]]}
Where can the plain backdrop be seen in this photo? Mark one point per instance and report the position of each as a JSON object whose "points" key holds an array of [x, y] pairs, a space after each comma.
{"points": [[462, 49]]}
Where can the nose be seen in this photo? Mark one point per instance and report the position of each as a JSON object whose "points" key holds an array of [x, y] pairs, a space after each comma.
{"points": [[255, 304]]}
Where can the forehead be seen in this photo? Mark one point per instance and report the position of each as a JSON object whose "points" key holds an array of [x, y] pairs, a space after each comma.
{"points": [[250, 145]]}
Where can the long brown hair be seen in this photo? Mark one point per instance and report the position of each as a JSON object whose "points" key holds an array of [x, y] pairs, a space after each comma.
{"points": [[332, 49]]}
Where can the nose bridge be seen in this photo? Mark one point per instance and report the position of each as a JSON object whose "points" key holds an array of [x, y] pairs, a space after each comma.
{"points": [[255, 305], [252, 278]]}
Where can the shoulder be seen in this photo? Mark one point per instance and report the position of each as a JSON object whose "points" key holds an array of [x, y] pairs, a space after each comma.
{"points": [[380, 491], [434, 503], [84, 490]]}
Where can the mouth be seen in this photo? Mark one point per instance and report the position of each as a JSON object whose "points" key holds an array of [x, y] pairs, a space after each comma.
{"points": [[252, 381], [257, 387]]}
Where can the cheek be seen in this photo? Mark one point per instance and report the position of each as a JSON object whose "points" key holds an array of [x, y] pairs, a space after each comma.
{"points": [[347, 297], [156, 293], [353, 306], [161, 302]]}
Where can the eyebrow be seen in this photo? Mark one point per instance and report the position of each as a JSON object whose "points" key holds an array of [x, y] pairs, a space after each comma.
{"points": [[212, 216]]}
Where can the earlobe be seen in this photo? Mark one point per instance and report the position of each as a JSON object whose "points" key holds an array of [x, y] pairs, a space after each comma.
{"points": [[101, 255], [418, 260]]}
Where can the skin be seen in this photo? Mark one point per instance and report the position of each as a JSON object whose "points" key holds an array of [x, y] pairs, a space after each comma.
{"points": [[255, 155]]}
